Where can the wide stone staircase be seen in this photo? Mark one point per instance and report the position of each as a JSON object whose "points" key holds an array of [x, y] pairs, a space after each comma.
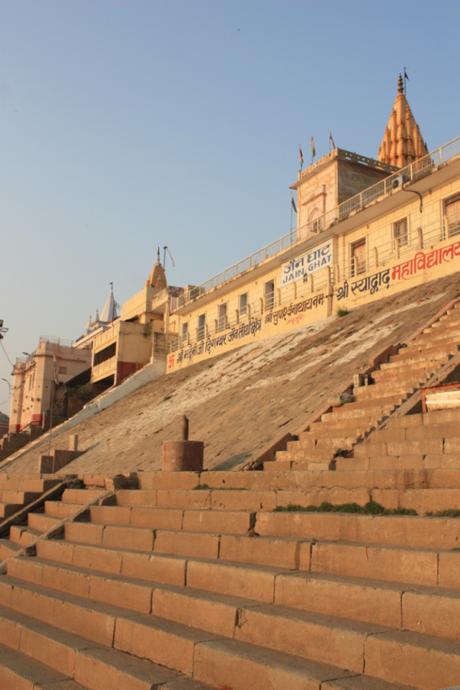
{"points": [[196, 581], [338, 431]]}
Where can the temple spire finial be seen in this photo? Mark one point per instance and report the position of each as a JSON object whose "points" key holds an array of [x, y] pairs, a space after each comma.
{"points": [[158, 256], [400, 84]]}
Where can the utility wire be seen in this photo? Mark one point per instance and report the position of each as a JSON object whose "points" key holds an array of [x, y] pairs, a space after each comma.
{"points": [[6, 353]]}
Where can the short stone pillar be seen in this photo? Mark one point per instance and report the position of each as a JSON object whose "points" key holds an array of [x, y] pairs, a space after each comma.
{"points": [[183, 456]]}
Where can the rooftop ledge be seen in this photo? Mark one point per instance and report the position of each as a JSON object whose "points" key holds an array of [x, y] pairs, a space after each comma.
{"points": [[376, 193]]}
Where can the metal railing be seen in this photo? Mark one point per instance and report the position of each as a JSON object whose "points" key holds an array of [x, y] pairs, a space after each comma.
{"points": [[376, 192]]}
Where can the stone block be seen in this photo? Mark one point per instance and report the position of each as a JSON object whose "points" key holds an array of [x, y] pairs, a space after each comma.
{"points": [[95, 558], [123, 593], [228, 522], [154, 567], [133, 538], [271, 551], [137, 497], [84, 533], [405, 658], [156, 518], [304, 635], [110, 515], [187, 544], [200, 610], [235, 580], [374, 562], [363, 601], [160, 641]]}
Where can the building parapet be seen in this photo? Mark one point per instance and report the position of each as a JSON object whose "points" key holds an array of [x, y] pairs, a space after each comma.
{"points": [[371, 195]]}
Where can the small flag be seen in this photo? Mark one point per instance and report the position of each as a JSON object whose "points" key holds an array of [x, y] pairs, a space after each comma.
{"points": [[294, 207], [300, 157], [312, 149], [406, 76], [331, 140]]}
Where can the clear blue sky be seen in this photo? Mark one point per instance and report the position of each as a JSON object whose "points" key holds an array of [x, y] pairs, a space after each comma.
{"points": [[127, 124]]}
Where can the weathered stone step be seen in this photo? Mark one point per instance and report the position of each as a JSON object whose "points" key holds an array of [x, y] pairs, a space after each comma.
{"points": [[325, 639], [8, 549], [440, 351], [81, 496], [425, 610], [20, 483], [19, 672], [23, 536], [41, 522], [61, 510], [392, 530], [93, 666], [416, 362], [178, 647], [377, 391], [205, 520], [450, 432], [17, 496]]}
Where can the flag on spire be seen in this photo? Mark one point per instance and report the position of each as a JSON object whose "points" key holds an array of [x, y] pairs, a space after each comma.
{"points": [[312, 149], [300, 157], [294, 207]]}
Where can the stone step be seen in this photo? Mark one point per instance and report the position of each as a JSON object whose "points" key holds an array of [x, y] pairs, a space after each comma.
{"points": [[409, 378], [429, 446], [61, 510], [169, 480], [449, 432], [326, 639], [390, 530], [206, 520], [94, 667], [420, 353], [20, 483], [178, 647], [41, 522], [8, 549], [81, 496], [19, 672], [417, 361], [23, 536], [18, 497], [377, 391], [416, 564], [421, 609], [309, 440]]}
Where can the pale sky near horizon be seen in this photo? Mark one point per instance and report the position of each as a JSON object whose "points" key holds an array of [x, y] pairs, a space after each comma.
{"points": [[127, 125]]}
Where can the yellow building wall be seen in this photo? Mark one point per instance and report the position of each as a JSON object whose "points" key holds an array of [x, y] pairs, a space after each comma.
{"points": [[389, 269]]}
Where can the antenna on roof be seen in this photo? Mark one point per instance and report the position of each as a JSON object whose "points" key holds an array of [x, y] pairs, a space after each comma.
{"points": [[166, 251]]}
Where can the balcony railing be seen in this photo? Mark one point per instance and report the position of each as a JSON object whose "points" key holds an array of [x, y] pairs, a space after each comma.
{"points": [[376, 192]]}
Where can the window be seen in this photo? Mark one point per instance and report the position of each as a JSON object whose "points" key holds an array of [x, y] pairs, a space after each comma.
{"points": [[201, 327], [400, 235], [452, 215], [358, 257], [269, 294], [184, 332], [222, 317], [243, 304]]}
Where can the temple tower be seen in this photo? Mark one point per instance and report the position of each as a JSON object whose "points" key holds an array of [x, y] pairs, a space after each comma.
{"points": [[402, 142]]}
